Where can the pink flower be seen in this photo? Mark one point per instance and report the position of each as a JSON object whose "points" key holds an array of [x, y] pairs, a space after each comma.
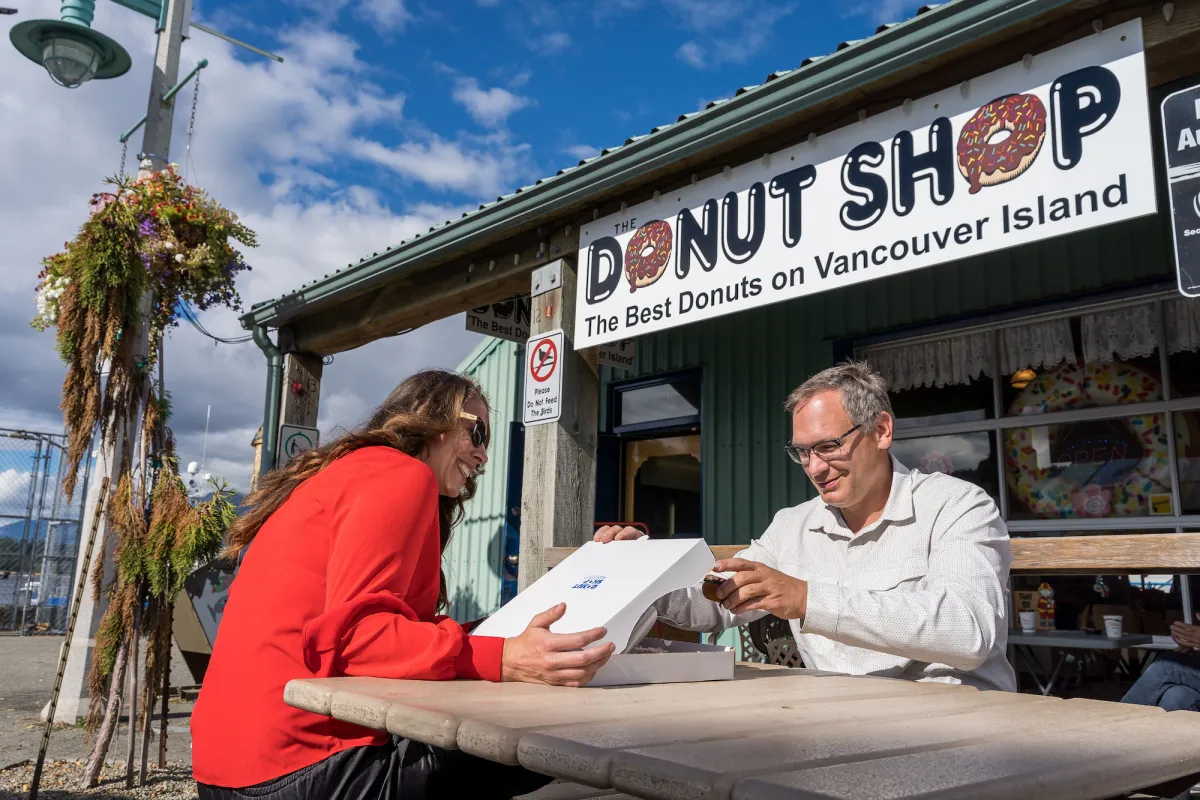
{"points": [[1092, 501]]}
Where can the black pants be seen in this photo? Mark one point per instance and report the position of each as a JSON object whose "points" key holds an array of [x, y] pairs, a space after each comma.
{"points": [[401, 770]]}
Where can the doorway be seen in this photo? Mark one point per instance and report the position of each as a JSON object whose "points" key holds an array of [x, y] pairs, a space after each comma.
{"points": [[662, 485]]}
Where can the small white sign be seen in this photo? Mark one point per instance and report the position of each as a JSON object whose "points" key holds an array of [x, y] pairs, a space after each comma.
{"points": [[506, 320], [622, 354], [294, 440], [543, 378]]}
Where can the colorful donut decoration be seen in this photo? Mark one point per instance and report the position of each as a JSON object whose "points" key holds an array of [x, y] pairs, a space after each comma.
{"points": [[647, 254], [1098, 469], [986, 163]]}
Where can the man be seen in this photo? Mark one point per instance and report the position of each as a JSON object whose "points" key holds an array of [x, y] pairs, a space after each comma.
{"points": [[889, 572], [1172, 681]]}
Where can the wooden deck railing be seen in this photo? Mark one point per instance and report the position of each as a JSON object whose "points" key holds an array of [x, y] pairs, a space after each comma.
{"points": [[1137, 554]]}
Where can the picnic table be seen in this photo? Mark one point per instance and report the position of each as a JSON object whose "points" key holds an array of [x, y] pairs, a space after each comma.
{"points": [[1065, 641], [774, 733]]}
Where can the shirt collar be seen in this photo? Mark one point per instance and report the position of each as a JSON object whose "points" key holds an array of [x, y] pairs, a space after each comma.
{"points": [[899, 506]]}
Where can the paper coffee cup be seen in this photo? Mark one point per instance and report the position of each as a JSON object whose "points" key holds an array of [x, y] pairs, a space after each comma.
{"points": [[1112, 625], [1028, 621]]}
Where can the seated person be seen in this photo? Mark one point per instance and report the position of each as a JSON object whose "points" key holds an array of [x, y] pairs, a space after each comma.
{"points": [[342, 576], [1172, 681], [889, 572]]}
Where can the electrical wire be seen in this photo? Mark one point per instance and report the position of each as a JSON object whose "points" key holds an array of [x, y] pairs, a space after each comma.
{"points": [[190, 315]]}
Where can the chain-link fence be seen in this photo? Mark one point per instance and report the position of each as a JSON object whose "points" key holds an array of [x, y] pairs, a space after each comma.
{"points": [[39, 531]]}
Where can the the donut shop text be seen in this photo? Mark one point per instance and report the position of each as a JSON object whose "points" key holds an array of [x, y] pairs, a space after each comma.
{"points": [[1007, 158]]}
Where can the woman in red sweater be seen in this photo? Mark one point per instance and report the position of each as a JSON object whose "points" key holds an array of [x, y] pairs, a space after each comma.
{"points": [[341, 575]]}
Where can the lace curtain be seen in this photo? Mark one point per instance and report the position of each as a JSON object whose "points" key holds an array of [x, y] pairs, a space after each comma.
{"points": [[1120, 333], [1132, 332], [1036, 345], [955, 359], [958, 359]]}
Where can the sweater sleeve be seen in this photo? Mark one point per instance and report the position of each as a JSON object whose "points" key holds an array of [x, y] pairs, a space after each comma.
{"points": [[381, 522]]}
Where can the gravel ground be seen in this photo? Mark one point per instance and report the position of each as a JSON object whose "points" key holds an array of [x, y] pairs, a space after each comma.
{"points": [[61, 779], [26, 681]]}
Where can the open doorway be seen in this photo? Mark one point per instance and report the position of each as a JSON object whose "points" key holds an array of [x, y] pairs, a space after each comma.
{"points": [[662, 485]]}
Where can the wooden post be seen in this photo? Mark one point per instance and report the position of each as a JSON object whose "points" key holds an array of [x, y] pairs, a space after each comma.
{"points": [[301, 389], [558, 495]]}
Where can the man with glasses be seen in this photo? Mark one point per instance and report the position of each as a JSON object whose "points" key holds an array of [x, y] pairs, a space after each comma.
{"points": [[888, 572]]}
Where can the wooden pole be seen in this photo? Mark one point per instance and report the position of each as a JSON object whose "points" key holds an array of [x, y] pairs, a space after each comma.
{"points": [[109, 727], [131, 741], [80, 582], [147, 721], [558, 495], [166, 684]]}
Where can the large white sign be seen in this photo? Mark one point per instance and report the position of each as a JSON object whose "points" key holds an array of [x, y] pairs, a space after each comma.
{"points": [[543, 378], [1056, 144]]}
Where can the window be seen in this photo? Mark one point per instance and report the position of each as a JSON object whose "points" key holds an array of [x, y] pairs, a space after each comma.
{"points": [[1096, 413], [671, 402]]}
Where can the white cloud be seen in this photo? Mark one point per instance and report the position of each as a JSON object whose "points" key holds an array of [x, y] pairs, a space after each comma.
{"points": [[267, 138], [490, 166], [728, 31], [691, 53], [487, 3], [881, 11], [552, 42], [391, 15], [520, 79], [489, 107], [14, 489], [582, 151]]}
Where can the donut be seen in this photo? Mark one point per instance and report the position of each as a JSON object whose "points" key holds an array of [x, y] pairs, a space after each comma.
{"points": [[1090, 469], [710, 586], [986, 163], [647, 254]]}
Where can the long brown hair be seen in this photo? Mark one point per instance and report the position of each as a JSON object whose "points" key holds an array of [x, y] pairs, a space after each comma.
{"points": [[421, 408]]}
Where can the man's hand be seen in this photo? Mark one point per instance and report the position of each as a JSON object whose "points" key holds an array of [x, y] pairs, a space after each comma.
{"points": [[615, 533], [559, 659], [756, 587], [1186, 635]]}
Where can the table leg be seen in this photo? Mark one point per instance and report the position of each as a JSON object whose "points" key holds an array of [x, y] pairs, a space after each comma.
{"points": [[1026, 654]]}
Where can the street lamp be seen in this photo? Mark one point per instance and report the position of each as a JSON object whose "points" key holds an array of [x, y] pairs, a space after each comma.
{"points": [[69, 49]]}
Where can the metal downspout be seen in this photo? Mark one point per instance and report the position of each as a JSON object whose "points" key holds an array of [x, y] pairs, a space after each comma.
{"points": [[270, 434]]}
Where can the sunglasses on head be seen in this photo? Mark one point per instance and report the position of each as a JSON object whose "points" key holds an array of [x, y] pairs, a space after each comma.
{"points": [[479, 431]]}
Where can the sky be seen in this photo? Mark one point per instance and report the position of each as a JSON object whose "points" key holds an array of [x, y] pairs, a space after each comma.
{"points": [[385, 117]]}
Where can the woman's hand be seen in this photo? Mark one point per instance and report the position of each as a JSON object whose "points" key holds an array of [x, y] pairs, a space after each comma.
{"points": [[615, 533], [559, 659]]}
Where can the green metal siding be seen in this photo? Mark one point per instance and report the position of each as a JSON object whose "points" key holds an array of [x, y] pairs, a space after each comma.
{"points": [[751, 360], [472, 561]]}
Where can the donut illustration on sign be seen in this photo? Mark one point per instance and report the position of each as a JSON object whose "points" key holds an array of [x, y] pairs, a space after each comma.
{"points": [[647, 254], [985, 156]]}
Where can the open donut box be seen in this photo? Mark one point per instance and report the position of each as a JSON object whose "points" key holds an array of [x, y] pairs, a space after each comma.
{"points": [[613, 586]]}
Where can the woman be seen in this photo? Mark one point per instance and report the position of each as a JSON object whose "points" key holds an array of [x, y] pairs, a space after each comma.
{"points": [[341, 575]]}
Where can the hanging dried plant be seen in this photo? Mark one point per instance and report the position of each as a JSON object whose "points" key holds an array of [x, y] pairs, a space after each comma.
{"points": [[154, 233]]}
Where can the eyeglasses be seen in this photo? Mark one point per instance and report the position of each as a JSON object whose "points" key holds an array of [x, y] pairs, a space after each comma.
{"points": [[830, 449], [479, 430]]}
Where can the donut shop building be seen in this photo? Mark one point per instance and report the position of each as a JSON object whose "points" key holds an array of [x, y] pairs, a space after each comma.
{"points": [[973, 200]]}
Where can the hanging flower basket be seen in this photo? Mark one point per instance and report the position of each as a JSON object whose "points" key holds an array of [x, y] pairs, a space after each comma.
{"points": [[155, 234]]}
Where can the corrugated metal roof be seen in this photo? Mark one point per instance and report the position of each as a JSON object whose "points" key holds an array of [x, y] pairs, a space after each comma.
{"points": [[616, 148]]}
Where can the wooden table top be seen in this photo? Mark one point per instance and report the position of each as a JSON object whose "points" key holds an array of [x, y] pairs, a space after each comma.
{"points": [[774, 733]]}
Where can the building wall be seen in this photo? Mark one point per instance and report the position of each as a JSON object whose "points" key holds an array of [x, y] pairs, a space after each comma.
{"points": [[472, 561], [751, 360]]}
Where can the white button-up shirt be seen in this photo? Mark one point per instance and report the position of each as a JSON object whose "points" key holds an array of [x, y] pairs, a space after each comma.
{"points": [[922, 594]]}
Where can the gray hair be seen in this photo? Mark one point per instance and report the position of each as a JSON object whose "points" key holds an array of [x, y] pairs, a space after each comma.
{"points": [[863, 391]]}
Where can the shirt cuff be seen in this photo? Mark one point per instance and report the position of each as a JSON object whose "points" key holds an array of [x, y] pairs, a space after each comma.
{"points": [[824, 609], [480, 658]]}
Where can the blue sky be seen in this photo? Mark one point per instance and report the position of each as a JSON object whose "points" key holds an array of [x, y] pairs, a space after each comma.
{"points": [[387, 116], [490, 94]]}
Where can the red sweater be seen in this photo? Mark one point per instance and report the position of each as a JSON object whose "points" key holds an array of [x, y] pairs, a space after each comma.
{"points": [[341, 580]]}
